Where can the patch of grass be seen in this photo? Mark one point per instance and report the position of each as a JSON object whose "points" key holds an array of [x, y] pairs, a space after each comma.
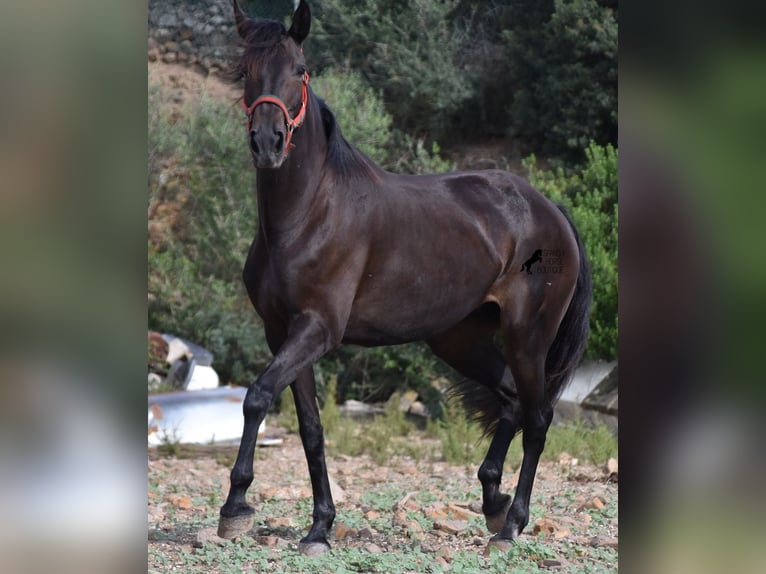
{"points": [[593, 444], [462, 439], [383, 437], [288, 416]]}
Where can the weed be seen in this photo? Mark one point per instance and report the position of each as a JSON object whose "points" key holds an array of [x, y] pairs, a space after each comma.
{"points": [[462, 439], [594, 444]]}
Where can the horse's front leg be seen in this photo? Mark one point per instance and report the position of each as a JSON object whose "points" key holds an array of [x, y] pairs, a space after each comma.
{"points": [[312, 436], [307, 340]]}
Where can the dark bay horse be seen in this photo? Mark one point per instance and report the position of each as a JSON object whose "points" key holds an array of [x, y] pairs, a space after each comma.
{"points": [[349, 253]]}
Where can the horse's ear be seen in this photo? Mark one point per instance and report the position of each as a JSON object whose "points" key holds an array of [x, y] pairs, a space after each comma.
{"points": [[242, 20], [301, 23]]}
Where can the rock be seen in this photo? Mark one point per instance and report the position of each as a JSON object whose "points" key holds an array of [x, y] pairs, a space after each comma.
{"points": [[461, 512], [180, 501], [167, 21], [153, 55], [271, 541], [552, 563], [595, 503], [412, 505], [502, 546], [611, 469], [445, 552], [338, 494], [372, 515], [436, 511], [372, 548], [406, 400], [365, 533], [400, 518], [414, 527], [275, 522], [562, 533], [169, 57], [344, 531], [603, 542], [565, 459], [451, 526], [475, 506], [418, 409], [208, 536], [546, 526], [284, 493]]}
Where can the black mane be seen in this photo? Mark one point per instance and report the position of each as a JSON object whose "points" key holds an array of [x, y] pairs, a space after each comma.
{"points": [[345, 160]]}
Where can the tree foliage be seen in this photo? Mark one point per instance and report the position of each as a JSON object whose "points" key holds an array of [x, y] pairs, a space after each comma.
{"points": [[541, 71], [408, 50], [590, 196], [563, 62]]}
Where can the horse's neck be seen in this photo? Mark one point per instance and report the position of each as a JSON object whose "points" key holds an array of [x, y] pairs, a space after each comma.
{"points": [[286, 194]]}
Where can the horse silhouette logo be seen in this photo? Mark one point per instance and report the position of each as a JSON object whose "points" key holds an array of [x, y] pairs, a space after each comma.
{"points": [[536, 256]]}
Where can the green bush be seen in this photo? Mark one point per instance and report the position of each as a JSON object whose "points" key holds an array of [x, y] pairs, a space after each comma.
{"points": [[221, 208], [408, 50], [365, 123], [208, 311], [195, 285], [359, 110], [563, 68], [590, 196]]}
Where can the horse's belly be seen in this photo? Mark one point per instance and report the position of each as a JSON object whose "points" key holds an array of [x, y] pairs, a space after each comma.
{"points": [[389, 317]]}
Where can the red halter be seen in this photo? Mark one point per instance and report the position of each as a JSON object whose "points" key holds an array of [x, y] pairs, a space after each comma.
{"points": [[291, 123]]}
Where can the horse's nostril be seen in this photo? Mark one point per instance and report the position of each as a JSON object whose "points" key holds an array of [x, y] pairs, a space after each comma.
{"points": [[253, 143], [279, 141]]}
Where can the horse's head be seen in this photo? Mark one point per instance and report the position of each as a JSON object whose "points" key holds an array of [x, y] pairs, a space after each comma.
{"points": [[276, 82]]}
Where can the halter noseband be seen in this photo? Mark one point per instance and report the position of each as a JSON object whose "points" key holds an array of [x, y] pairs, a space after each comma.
{"points": [[291, 123]]}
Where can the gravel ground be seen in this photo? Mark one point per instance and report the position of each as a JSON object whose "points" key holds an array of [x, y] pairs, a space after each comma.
{"points": [[416, 515]]}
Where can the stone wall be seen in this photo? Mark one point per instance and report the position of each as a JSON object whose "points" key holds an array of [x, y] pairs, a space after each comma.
{"points": [[198, 33]]}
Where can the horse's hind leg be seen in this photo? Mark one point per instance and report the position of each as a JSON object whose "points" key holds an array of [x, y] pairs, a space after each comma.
{"points": [[526, 347], [312, 436], [469, 349]]}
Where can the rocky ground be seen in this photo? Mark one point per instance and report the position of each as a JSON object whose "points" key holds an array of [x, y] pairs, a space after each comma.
{"points": [[407, 515]]}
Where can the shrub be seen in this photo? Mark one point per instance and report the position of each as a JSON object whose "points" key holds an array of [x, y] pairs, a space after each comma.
{"points": [[208, 311], [407, 50], [365, 123], [590, 196], [563, 65], [359, 111]]}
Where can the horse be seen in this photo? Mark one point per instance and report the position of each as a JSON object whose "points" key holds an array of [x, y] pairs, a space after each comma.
{"points": [[347, 252]]}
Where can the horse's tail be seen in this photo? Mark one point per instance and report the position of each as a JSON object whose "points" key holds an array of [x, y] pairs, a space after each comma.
{"points": [[484, 405], [569, 345]]}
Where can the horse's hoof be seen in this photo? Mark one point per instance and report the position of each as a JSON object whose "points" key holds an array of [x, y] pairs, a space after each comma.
{"points": [[500, 544], [313, 549], [232, 526], [496, 522]]}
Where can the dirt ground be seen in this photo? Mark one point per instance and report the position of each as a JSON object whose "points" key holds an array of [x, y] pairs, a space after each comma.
{"points": [[380, 509]]}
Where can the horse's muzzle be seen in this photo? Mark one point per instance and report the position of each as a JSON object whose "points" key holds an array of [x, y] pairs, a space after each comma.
{"points": [[267, 147]]}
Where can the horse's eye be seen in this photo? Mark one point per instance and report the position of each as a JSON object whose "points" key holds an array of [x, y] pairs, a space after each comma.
{"points": [[300, 71]]}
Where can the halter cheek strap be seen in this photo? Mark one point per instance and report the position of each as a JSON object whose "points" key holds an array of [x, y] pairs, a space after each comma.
{"points": [[291, 123]]}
